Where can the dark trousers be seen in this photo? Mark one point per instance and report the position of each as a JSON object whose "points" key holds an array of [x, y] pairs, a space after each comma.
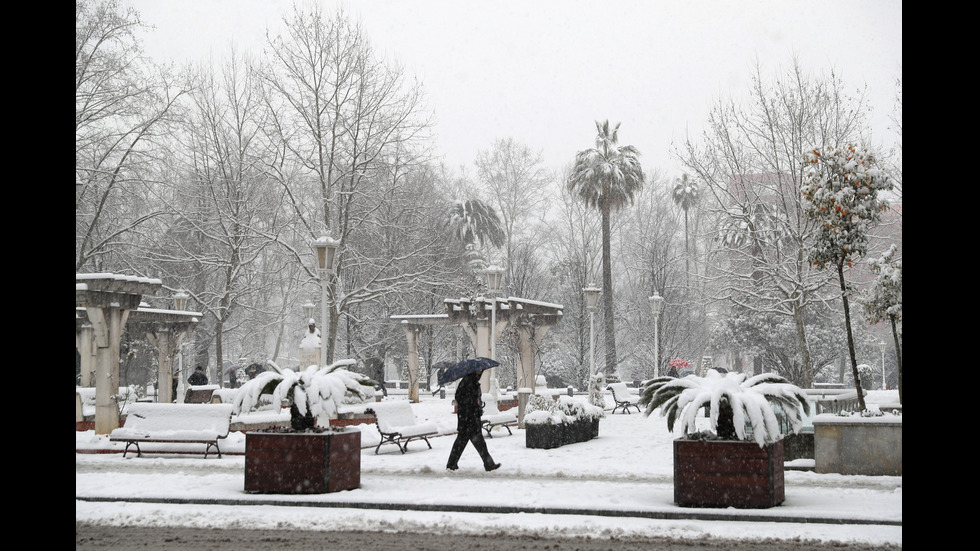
{"points": [[473, 435]]}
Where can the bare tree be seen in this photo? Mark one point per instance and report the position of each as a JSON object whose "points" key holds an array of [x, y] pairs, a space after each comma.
{"points": [[225, 206], [750, 161], [516, 183], [121, 107], [347, 127]]}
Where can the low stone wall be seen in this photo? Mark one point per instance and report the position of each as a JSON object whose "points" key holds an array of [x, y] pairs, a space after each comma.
{"points": [[858, 445]]}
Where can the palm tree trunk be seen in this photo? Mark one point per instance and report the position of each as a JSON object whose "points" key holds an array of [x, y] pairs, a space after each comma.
{"points": [[687, 255], [607, 294]]}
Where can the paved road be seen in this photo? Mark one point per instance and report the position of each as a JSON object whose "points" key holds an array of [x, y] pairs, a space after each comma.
{"points": [[89, 537]]}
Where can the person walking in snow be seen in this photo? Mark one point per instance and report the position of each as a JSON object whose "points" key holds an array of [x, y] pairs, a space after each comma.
{"points": [[469, 409]]}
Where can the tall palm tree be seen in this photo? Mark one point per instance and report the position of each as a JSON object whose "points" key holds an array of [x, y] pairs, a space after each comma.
{"points": [[686, 196], [607, 177], [475, 224]]}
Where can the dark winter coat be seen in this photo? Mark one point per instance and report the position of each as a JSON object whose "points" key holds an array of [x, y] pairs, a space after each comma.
{"points": [[469, 403], [197, 378]]}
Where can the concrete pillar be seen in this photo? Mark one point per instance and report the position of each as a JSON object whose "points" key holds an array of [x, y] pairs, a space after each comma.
{"points": [[85, 342], [411, 335], [523, 395], [107, 323]]}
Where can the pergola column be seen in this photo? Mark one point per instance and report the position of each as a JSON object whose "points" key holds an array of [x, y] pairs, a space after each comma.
{"points": [[84, 342], [411, 335], [108, 299], [167, 342]]}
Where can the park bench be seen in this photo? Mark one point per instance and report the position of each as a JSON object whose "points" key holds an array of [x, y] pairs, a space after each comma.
{"points": [[623, 397], [174, 423], [397, 425], [84, 404], [200, 394], [492, 416]]}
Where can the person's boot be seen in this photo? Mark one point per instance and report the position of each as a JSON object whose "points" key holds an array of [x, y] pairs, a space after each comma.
{"points": [[452, 467], [490, 465]]}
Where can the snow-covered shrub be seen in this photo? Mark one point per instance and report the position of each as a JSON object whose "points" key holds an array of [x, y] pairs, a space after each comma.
{"points": [[312, 393], [735, 402], [542, 410]]}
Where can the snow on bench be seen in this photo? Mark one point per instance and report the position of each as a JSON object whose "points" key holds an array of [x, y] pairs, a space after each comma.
{"points": [[173, 423], [397, 425], [492, 416], [623, 397]]}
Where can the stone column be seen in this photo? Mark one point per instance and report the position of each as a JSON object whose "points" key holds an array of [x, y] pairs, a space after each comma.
{"points": [[411, 335]]}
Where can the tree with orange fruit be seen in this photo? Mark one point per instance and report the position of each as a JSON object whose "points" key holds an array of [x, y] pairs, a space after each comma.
{"points": [[840, 191]]}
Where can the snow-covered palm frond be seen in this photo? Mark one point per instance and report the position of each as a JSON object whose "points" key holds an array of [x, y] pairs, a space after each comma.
{"points": [[247, 398], [731, 398], [315, 390]]}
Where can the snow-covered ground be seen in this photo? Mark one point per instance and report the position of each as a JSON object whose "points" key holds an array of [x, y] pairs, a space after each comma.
{"points": [[617, 485]]}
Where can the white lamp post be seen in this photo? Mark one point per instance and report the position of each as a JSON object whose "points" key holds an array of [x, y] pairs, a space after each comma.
{"points": [[656, 304], [326, 250], [495, 276], [180, 304], [591, 299], [881, 346]]}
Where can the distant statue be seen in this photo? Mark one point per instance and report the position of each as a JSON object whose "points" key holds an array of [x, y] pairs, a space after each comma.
{"points": [[309, 347]]}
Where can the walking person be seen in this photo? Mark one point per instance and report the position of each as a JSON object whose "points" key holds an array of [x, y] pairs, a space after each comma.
{"points": [[469, 408], [439, 373]]}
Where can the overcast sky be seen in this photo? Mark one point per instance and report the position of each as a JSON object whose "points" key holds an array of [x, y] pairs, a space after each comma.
{"points": [[543, 71]]}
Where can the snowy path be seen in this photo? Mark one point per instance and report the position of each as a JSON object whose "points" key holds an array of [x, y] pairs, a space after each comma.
{"points": [[108, 478]]}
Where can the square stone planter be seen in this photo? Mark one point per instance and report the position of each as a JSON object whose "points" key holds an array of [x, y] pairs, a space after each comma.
{"points": [[858, 445], [546, 436], [302, 463], [722, 473]]}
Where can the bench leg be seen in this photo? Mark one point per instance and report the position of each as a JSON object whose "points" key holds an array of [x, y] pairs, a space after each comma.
{"points": [[387, 439], [139, 452], [215, 444], [426, 438]]}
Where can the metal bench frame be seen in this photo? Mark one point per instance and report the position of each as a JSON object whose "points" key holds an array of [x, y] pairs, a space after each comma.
{"points": [[401, 435], [625, 404]]}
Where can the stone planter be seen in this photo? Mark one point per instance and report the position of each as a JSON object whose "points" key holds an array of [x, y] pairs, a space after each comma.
{"points": [[723, 473], [858, 445], [302, 462], [798, 446], [542, 435]]}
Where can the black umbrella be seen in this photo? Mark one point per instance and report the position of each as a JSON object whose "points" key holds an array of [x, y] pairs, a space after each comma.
{"points": [[465, 367]]}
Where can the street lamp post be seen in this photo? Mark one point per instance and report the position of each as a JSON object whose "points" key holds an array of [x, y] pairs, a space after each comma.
{"points": [[656, 304], [495, 275], [326, 250], [591, 298], [881, 346], [180, 304]]}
